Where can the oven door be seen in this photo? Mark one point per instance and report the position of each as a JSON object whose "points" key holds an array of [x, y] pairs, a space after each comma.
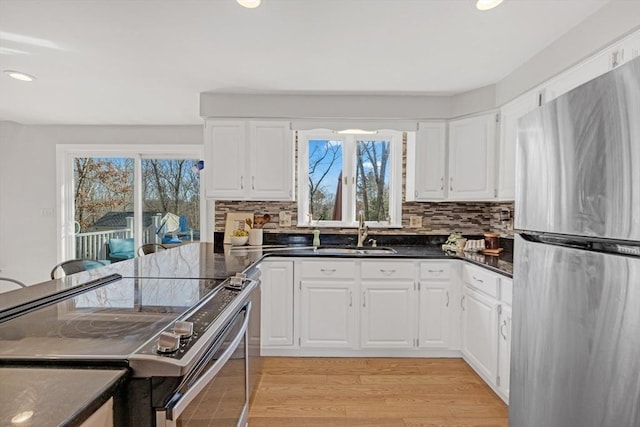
{"points": [[215, 392]]}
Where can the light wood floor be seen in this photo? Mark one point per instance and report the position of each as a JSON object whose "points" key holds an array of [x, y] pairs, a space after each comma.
{"points": [[311, 392]]}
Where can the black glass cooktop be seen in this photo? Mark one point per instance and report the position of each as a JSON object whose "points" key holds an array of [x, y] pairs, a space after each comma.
{"points": [[109, 322]]}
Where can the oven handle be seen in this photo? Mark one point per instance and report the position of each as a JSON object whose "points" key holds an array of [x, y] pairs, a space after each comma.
{"points": [[168, 416]]}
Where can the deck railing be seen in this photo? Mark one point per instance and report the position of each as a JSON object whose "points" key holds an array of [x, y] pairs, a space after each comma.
{"points": [[92, 245]]}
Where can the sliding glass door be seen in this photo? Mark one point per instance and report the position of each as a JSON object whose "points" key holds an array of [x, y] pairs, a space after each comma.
{"points": [[115, 200]]}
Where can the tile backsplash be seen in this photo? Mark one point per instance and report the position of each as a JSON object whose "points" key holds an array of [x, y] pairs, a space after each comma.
{"points": [[437, 218]]}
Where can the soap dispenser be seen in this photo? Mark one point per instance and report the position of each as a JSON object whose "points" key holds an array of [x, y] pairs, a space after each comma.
{"points": [[316, 238]]}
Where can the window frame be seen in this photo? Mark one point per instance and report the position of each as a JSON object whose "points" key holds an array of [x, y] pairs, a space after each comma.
{"points": [[65, 153], [349, 170]]}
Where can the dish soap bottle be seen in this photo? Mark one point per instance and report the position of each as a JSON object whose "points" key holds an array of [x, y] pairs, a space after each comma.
{"points": [[316, 238]]}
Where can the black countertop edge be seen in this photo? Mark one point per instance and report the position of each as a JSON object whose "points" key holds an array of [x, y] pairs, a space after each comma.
{"points": [[502, 264], [350, 239], [110, 390]]}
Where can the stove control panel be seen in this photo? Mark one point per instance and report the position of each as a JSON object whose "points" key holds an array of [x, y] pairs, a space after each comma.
{"points": [[176, 340]]}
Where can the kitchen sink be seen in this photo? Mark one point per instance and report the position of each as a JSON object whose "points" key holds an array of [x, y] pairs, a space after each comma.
{"points": [[355, 251]]}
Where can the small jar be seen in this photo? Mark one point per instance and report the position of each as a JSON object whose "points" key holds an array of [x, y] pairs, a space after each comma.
{"points": [[491, 241]]}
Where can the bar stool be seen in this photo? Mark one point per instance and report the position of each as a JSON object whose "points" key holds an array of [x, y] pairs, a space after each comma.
{"points": [[72, 266]]}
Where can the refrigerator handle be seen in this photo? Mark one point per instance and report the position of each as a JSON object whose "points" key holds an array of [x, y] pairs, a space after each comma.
{"points": [[461, 303]]}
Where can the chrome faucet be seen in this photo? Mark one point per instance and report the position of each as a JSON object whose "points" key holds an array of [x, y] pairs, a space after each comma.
{"points": [[363, 230]]}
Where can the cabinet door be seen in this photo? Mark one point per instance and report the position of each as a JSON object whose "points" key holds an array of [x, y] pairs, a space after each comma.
{"points": [[276, 327], [434, 315], [426, 159], [504, 352], [472, 158], [388, 314], [480, 333], [510, 113], [327, 317], [225, 159], [271, 161]]}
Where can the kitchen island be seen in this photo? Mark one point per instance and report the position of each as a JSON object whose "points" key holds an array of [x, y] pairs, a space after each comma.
{"points": [[43, 397]]}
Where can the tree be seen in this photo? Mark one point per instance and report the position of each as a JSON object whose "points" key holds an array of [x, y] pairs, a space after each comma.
{"points": [[372, 158], [101, 185], [321, 160], [171, 186]]}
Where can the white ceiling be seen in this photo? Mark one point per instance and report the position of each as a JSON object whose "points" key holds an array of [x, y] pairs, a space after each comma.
{"points": [[146, 61]]}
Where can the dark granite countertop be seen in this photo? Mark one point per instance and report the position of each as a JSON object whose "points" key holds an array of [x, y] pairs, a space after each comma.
{"points": [[54, 396], [502, 264], [218, 262]]}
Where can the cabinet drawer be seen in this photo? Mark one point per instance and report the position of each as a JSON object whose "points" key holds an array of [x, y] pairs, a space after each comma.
{"points": [[328, 269], [506, 290], [435, 270], [482, 280], [386, 270]]}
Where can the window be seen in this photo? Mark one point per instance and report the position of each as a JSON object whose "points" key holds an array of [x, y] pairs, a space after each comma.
{"points": [[343, 175], [132, 192]]}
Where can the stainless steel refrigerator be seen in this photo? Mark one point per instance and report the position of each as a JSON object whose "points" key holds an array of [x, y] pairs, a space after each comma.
{"points": [[576, 301]]}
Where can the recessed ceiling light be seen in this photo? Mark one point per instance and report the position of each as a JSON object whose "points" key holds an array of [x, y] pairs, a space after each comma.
{"points": [[249, 4], [19, 76], [487, 4]]}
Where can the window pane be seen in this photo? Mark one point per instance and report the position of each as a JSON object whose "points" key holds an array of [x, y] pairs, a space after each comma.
{"points": [[103, 200], [171, 201], [325, 176], [372, 179]]}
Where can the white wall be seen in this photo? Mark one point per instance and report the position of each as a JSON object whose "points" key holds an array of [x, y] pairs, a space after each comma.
{"points": [[28, 244], [610, 23]]}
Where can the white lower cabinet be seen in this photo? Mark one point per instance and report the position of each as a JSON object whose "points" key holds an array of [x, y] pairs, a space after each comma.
{"points": [[479, 337], [404, 308], [327, 314], [388, 314], [276, 319], [435, 305], [486, 326], [504, 352]]}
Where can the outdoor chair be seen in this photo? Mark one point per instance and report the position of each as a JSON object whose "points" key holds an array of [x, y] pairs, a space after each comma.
{"points": [[13, 283], [72, 266], [150, 248], [120, 249]]}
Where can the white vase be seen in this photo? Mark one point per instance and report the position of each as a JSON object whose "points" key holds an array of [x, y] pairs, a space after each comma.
{"points": [[255, 237]]}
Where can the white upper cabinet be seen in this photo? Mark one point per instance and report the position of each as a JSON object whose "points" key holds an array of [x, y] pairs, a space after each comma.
{"points": [[472, 158], [510, 114], [248, 160], [426, 160]]}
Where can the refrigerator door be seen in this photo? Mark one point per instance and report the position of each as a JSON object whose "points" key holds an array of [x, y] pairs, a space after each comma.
{"points": [[575, 357], [578, 160]]}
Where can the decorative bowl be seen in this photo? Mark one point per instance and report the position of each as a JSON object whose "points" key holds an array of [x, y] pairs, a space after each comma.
{"points": [[239, 240]]}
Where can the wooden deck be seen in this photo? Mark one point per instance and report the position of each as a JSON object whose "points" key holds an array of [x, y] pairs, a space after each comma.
{"points": [[311, 392]]}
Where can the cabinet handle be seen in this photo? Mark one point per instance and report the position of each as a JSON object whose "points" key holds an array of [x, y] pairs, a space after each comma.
{"points": [[447, 303], [441, 183], [364, 299], [387, 271], [451, 183], [350, 299], [477, 280], [461, 303], [253, 182], [504, 324], [328, 270], [435, 271], [241, 182]]}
